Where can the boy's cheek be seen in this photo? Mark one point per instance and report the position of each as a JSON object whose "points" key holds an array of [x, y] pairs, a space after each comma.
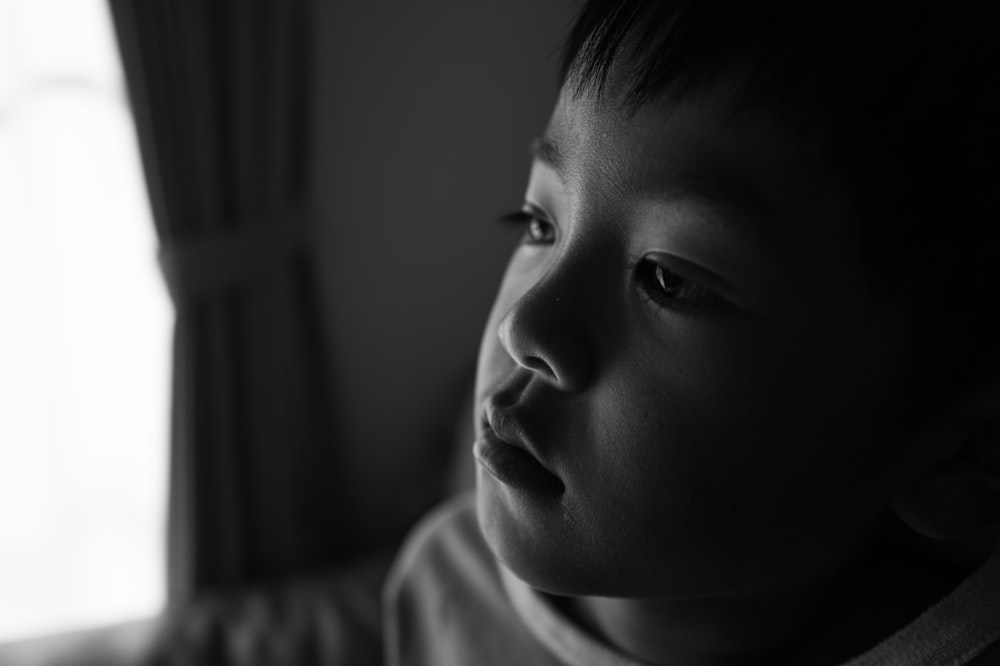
{"points": [[755, 435]]}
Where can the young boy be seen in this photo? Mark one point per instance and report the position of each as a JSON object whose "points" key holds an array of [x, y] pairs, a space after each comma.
{"points": [[737, 399]]}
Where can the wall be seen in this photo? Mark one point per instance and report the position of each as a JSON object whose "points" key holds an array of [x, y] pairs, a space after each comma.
{"points": [[425, 113]]}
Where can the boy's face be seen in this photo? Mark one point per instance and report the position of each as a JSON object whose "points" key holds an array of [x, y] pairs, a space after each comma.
{"points": [[686, 341]]}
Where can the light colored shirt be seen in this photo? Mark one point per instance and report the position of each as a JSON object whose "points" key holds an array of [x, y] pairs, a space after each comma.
{"points": [[449, 603]]}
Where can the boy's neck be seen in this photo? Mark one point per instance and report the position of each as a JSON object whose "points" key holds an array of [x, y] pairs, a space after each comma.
{"points": [[709, 632], [821, 624]]}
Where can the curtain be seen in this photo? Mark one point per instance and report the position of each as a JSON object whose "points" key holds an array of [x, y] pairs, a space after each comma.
{"points": [[221, 96]]}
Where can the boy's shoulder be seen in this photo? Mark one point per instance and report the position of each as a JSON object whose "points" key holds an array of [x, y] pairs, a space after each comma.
{"points": [[448, 532], [963, 627], [444, 601]]}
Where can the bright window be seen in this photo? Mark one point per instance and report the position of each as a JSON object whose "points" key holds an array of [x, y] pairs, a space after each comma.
{"points": [[84, 333]]}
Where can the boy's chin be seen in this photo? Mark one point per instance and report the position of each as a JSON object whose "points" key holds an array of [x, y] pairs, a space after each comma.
{"points": [[528, 540], [515, 534], [535, 542]]}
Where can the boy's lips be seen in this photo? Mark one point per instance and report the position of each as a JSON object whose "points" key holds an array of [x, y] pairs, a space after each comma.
{"points": [[505, 451]]}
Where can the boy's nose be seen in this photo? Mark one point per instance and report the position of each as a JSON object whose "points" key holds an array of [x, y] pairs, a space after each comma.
{"points": [[545, 331]]}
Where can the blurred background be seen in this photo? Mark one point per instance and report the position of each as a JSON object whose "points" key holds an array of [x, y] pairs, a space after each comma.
{"points": [[246, 253]]}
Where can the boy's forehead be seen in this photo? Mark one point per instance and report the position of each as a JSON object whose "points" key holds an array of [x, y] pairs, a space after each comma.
{"points": [[667, 145]]}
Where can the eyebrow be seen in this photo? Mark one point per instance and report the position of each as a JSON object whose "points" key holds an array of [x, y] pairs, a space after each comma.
{"points": [[547, 151], [741, 205], [716, 189]]}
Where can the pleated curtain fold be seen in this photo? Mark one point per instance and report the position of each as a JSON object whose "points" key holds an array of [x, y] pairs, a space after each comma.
{"points": [[221, 93]]}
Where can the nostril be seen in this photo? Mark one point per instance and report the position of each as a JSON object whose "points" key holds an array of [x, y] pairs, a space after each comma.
{"points": [[538, 364]]}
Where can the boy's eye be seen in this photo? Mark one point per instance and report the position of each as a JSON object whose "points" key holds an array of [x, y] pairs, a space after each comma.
{"points": [[536, 229], [671, 290]]}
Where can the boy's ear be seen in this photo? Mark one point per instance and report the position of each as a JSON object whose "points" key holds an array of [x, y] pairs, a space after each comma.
{"points": [[950, 483]]}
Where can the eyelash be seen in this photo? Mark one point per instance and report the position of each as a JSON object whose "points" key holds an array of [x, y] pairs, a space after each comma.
{"points": [[658, 283], [670, 290], [531, 225]]}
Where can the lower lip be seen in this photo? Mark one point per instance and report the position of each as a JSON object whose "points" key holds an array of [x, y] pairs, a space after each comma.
{"points": [[513, 466]]}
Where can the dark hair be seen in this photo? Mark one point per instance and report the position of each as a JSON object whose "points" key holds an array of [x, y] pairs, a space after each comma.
{"points": [[903, 98]]}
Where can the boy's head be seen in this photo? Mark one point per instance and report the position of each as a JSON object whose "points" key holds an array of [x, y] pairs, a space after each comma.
{"points": [[900, 102], [747, 322]]}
